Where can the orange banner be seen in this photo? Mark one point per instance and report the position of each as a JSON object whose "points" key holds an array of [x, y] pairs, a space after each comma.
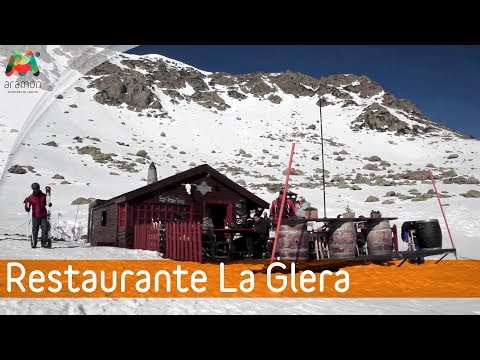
{"points": [[254, 279]]}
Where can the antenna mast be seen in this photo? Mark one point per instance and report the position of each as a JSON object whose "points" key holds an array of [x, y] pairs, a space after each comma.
{"points": [[323, 161]]}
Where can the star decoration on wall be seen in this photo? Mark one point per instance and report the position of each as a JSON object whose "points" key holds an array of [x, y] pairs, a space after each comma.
{"points": [[204, 188]]}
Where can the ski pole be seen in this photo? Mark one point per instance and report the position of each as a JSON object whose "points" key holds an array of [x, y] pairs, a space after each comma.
{"points": [[29, 230], [28, 225]]}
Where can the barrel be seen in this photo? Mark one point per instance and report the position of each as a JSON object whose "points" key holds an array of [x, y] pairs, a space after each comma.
{"points": [[379, 237], [429, 234], [293, 242], [342, 239]]}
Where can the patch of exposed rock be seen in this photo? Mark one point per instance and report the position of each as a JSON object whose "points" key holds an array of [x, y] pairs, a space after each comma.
{"points": [[449, 173], [383, 182], [254, 84], [373, 158], [81, 201], [194, 78], [105, 68], [461, 180], [471, 194], [95, 153], [173, 94], [237, 95], [210, 99], [365, 87], [378, 118], [339, 80], [402, 104], [293, 83], [120, 86], [126, 166], [166, 77], [141, 64], [221, 78], [371, 167], [416, 175], [349, 103], [17, 169], [327, 89], [141, 153], [275, 99]]}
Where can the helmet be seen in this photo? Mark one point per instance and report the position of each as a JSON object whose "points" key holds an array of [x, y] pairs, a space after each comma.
{"points": [[35, 186]]}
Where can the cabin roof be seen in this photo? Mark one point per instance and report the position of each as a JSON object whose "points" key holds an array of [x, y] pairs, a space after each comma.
{"points": [[180, 178]]}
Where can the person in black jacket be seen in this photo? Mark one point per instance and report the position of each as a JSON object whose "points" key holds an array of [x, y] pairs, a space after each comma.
{"points": [[260, 236]]}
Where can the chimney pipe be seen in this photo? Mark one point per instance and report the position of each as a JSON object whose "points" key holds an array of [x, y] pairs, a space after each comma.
{"points": [[152, 174]]}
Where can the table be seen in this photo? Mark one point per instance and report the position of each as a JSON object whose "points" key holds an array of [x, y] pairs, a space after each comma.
{"points": [[354, 219], [228, 241]]}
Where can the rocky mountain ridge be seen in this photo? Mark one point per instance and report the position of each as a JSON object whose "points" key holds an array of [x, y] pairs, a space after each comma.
{"points": [[155, 88]]}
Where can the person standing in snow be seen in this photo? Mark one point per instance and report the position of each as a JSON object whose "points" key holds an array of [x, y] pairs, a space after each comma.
{"points": [[37, 201]]}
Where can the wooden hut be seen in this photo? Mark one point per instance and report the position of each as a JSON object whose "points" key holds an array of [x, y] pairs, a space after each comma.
{"points": [[190, 195]]}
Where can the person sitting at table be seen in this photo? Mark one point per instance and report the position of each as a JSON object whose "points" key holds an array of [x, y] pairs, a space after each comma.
{"points": [[300, 207], [242, 241], [267, 220], [260, 236], [208, 235]]}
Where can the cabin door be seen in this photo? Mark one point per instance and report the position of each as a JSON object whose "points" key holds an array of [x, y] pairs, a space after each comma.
{"points": [[220, 212]]}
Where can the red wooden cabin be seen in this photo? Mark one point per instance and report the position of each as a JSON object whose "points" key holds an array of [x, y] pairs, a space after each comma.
{"points": [[112, 222]]}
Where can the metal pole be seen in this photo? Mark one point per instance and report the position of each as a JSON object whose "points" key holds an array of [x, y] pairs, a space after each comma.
{"points": [[441, 208], [284, 198], [323, 160], [75, 224]]}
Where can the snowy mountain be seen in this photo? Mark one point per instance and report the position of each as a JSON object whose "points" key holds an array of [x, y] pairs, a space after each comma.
{"points": [[93, 131]]}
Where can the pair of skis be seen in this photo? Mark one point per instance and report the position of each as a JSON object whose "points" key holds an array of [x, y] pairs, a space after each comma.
{"points": [[48, 192]]}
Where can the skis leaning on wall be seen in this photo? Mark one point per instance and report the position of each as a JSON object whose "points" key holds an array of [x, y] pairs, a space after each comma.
{"points": [[48, 192]]}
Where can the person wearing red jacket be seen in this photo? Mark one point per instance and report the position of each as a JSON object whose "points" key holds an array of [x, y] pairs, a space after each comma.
{"points": [[37, 201], [289, 210]]}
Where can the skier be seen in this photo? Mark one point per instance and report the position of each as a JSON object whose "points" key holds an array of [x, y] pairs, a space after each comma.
{"points": [[37, 201]]}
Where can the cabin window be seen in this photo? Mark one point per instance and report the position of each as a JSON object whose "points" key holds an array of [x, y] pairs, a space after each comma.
{"points": [[145, 212], [122, 215], [104, 218]]}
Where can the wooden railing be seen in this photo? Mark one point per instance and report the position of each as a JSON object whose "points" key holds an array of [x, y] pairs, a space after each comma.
{"points": [[147, 237], [184, 241]]}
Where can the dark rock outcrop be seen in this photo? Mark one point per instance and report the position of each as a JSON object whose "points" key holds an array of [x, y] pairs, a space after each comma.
{"points": [[378, 118], [210, 99]]}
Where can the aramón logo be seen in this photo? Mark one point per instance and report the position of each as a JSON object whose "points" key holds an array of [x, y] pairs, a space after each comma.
{"points": [[23, 63]]}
